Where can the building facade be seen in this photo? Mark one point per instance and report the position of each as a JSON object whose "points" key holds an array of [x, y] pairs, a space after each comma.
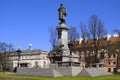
{"points": [[106, 53], [30, 58], [110, 62]]}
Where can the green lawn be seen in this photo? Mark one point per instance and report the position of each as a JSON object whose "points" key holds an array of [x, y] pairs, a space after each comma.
{"points": [[8, 77]]}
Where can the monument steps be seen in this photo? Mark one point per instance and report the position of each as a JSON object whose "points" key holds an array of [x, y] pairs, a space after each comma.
{"points": [[44, 72], [69, 71], [61, 71], [93, 72]]}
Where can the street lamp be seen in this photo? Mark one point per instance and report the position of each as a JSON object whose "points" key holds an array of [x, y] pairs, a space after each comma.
{"points": [[70, 46], [102, 54], [18, 54]]}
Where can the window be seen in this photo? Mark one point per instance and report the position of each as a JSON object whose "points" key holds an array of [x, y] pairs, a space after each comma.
{"points": [[109, 63], [114, 63], [94, 66], [114, 55], [23, 65], [109, 56], [100, 65], [114, 70], [44, 64], [109, 69], [80, 56], [36, 64]]}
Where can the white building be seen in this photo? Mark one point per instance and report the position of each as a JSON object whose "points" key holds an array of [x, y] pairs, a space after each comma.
{"points": [[30, 58]]}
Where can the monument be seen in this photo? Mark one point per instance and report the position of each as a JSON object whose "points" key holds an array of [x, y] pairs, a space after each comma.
{"points": [[66, 56], [63, 62]]}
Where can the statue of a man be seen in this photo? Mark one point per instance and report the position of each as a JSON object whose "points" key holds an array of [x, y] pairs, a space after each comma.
{"points": [[62, 13]]}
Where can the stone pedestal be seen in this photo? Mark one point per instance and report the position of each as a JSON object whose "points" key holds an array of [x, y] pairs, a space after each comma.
{"points": [[63, 40]]}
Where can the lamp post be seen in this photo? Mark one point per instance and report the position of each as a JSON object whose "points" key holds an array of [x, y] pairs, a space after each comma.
{"points": [[18, 54], [70, 46], [96, 50], [102, 55]]}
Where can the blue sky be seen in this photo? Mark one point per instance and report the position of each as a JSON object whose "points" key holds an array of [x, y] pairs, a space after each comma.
{"points": [[27, 21]]}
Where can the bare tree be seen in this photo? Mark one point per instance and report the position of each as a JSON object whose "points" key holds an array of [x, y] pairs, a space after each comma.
{"points": [[85, 33], [92, 35], [85, 44], [96, 27], [53, 37], [73, 34], [97, 31], [5, 50]]}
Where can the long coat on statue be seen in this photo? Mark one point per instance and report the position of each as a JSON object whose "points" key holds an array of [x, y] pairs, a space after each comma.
{"points": [[62, 13]]}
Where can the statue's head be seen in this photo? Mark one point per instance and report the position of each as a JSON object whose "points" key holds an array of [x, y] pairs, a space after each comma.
{"points": [[61, 5]]}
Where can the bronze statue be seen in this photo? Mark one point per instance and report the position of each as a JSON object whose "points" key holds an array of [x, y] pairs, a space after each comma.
{"points": [[62, 13]]}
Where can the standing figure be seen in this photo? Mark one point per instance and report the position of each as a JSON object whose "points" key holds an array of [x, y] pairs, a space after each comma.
{"points": [[62, 13]]}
